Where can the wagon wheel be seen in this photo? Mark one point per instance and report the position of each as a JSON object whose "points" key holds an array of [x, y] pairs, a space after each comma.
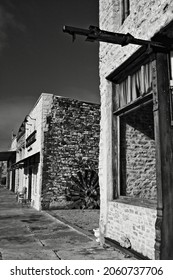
{"points": [[84, 190]]}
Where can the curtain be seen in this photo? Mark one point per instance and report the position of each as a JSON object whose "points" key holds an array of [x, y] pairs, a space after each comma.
{"points": [[136, 85]]}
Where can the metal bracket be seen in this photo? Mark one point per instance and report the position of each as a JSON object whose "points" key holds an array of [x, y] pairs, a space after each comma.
{"points": [[93, 33]]}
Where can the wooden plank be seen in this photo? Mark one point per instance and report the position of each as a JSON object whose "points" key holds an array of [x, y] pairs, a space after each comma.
{"points": [[137, 102], [158, 163], [129, 90]]}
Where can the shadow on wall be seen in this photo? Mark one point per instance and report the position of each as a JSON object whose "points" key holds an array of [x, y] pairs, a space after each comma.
{"points": [[82, 192], [138, 155]]}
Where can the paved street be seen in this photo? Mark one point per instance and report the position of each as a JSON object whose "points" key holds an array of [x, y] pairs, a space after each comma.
{"points": [[26, 234]]}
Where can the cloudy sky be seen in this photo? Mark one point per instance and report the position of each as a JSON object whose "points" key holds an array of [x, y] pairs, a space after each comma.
{"points": [[36, 56]]}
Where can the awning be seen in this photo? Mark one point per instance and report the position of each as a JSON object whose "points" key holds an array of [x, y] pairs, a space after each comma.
{"points": [[6, 155], [28, 161]]}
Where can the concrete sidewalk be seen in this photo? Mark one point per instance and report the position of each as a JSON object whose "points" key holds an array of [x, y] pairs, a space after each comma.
{"points": [[26, 234]]}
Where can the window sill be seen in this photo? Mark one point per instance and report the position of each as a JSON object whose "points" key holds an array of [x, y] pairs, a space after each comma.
{"points": [[137, 202], [140, 101]]}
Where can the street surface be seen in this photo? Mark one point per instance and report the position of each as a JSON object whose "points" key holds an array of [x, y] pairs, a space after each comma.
{"points": [[27, 234]]}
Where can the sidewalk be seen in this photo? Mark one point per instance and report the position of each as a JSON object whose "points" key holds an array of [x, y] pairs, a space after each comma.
{"points": [[26, 234]]}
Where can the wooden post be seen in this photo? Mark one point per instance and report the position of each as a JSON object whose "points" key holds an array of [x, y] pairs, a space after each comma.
{"points": [[115, 141], [164, 157]]}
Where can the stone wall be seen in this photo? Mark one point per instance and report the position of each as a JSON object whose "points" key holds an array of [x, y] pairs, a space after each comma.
{"points": [[137, 224], [145, 20], [71, 143], [138, 157]]}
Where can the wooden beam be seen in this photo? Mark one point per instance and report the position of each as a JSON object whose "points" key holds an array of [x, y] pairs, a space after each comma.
{"points": [[164, 158], [115, 143]]}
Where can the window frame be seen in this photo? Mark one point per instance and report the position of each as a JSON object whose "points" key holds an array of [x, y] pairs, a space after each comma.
{"points": [[135, 105], [129, 67]]}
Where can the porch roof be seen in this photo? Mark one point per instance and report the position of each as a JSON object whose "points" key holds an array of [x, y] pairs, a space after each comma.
{"points": [[6, 155]]}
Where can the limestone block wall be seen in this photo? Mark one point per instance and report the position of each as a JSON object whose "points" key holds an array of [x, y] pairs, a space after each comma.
{"points": [[135, 223], [71, 143], [145, 20]]}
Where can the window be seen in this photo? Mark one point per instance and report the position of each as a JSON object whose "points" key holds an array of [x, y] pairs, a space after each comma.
{"points": [[137, 153], [134, 86], [125, 9], [133, 115]]}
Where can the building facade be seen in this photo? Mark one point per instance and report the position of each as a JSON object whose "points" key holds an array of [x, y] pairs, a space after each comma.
{"points": [[27, 169], [59, 137], [135, 164]]}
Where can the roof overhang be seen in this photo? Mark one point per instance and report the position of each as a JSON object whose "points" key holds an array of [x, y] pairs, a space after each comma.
{"points": [[28, 161], [6, 155]]}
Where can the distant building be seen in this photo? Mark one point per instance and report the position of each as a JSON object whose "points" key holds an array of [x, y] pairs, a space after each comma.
{"points": [[136, 162], [7, 158], [59, 137], [3, 172]]}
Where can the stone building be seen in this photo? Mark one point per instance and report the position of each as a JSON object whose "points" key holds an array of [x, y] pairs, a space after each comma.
{"points": [[59, 137], [136, 163]]}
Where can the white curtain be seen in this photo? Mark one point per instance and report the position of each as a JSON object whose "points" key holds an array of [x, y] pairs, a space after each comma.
{"points": [[135, 85]]}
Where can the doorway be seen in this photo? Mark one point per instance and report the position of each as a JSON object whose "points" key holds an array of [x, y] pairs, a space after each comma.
{"points": [[30, 184], [13, 181]]}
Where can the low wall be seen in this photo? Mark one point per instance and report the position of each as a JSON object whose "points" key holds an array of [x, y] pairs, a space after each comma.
{"points": [[135, 223]]}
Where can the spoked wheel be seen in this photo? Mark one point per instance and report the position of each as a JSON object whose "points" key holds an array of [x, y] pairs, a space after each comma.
{"points": [[84, 190]]}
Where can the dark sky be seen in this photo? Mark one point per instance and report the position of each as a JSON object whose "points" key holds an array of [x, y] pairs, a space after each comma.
{"points": [[36, 56]]}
